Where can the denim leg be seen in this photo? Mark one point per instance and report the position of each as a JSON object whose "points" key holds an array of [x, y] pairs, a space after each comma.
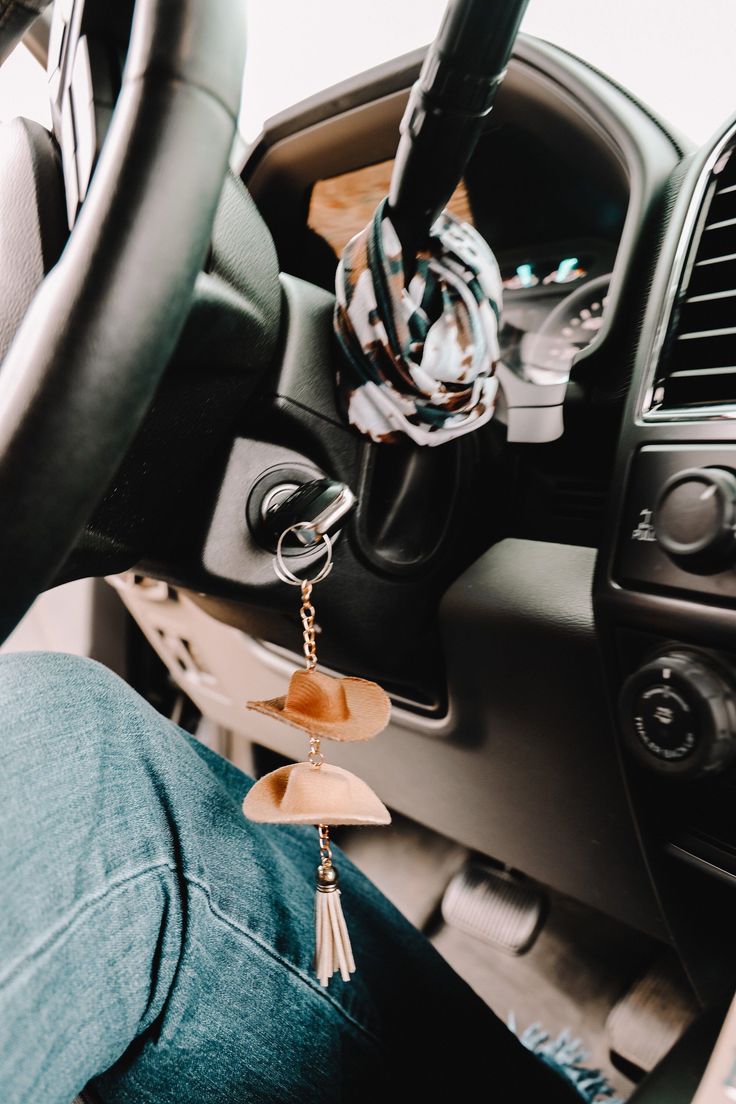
{"points": [[157, 945]]}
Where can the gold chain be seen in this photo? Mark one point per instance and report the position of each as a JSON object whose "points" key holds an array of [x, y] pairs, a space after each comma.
{"points": [[316, 758], [307, 614], [325, 851]]}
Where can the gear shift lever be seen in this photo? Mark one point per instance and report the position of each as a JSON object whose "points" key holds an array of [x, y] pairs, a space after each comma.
{"points": [[446, 112]]}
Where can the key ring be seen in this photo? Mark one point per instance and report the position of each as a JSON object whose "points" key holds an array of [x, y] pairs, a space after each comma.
{"points": [[285, 573]]}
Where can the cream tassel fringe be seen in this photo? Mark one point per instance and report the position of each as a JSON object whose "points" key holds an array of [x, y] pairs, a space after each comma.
{"points": [[333, 951]]}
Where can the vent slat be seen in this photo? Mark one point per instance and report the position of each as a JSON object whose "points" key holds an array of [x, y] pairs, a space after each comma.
{"points": [[709, 387], [713, 275], [701, 373], [706, 312], [721, 225], [697, 351], [723, 205], [712, 296], [698, 335], [718, 239]]}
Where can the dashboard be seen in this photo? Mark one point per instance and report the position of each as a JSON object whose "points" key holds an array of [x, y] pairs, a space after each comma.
{"points": [[568, 547], [666, 588], [481, 583]]}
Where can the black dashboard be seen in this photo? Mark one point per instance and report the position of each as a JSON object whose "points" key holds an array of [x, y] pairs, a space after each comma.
{"points": [[608, 537], [593, 209], [571, 185], [597, 216], [666, 588]]}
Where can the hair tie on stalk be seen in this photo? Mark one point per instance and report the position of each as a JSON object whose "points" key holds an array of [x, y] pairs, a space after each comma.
{"points": [[419, 360]]}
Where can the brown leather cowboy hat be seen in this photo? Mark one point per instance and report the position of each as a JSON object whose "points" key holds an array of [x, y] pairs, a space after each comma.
{"points": [[337, 708]]}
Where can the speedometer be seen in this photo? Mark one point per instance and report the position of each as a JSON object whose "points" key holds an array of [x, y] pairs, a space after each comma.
{"points": [[547, 355]]}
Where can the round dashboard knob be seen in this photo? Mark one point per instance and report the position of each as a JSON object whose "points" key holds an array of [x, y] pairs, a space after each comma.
{"points": [[678, 714], [695, 519]]}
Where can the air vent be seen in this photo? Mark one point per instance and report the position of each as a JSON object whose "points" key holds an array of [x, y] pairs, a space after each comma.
{"points": [[698, 366]]}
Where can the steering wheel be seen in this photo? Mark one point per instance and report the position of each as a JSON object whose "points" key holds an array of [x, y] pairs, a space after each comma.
{"points": [[91, 349]]}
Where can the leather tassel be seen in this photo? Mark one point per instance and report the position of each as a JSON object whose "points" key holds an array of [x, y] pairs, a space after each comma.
{"points": [[333, 951]]}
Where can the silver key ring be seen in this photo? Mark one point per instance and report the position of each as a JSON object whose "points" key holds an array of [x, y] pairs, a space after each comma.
{"points": [[285, 573]]}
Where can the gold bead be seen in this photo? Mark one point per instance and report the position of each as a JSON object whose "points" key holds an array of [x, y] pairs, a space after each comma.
{"points": [[327, 878]]}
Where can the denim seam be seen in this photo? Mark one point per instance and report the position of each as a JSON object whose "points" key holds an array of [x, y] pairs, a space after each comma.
{"points": [[290, 966], [84, 906], [115, 885]]}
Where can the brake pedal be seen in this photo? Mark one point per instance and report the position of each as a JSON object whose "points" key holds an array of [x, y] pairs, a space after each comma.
{"points": [[649, 1019], [496, 907]]}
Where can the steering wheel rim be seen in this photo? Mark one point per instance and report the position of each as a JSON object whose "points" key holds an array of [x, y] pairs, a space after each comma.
{"points": [[85, 363]]}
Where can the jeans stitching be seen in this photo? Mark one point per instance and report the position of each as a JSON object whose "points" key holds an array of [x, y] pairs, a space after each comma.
{"points": [[290, 966], [78, 912], [55, 934]]}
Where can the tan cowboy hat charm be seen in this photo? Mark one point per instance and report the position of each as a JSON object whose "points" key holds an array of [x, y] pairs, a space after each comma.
{"points": [[316, 792], [335, 708], [303, 794]]}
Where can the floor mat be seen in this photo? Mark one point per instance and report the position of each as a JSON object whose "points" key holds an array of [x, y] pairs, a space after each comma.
{"points": [[568, 981], [569, 1057]]}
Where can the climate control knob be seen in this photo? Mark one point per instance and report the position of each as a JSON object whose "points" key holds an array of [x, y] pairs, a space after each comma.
{"points": [[695, 519], [678, 714]]}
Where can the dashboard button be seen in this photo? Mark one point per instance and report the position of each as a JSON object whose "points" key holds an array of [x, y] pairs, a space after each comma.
{"points": [[695, 519], [664, 721], [659, 548], [678, 714]]}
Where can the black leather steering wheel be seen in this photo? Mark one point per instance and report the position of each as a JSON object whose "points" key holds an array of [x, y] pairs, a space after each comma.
{"points": [[86, 360]]}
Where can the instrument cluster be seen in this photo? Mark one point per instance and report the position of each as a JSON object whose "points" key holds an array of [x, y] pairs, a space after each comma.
{"points": [[555, 299]]}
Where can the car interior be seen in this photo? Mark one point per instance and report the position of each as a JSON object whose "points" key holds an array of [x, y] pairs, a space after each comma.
{"points": [[549, 601]]}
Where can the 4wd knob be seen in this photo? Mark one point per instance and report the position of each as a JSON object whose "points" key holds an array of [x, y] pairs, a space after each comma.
{"points": [[695, 519], [678, 714]]}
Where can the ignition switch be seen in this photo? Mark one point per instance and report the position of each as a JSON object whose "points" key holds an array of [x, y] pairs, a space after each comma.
{"points": [[323, 504]]}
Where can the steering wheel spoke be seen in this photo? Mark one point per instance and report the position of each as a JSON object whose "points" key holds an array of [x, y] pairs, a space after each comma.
{"points": [[86, 56], [82, 370]]}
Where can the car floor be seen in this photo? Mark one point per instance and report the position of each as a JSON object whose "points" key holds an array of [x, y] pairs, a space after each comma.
{"points": [[566, 982], [579, 966]]}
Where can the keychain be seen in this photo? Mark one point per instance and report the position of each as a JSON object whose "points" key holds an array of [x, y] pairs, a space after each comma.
{"points": [[314, 791]]}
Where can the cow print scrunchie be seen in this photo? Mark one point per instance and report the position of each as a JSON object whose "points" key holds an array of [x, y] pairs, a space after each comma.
{"points": [[419, 360]]}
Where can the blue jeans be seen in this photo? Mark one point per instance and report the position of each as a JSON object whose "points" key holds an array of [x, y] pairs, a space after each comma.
{"points": [[156, 946]]}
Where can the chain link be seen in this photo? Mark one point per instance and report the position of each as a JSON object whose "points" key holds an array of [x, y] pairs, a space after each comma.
{"points": [[307, 614], [325, 851], [316, 758]]}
